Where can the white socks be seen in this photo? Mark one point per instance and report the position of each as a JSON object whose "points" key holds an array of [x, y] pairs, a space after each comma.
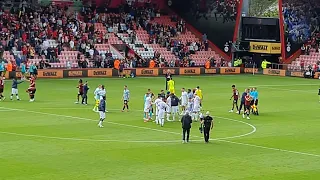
{"points": [[100, 122], [162, 121], [195, 116], [11, 97]]}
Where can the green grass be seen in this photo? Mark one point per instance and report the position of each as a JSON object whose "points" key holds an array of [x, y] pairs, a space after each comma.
{"points": [[53, 138]]}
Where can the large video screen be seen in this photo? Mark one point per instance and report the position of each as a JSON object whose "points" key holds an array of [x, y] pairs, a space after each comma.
{"points": [[216, 18], [301, 23]]}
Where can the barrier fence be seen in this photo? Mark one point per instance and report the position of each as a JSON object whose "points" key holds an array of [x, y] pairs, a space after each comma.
{"points": [[108, 72]]}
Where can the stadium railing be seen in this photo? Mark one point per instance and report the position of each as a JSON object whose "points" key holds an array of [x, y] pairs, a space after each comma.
{"points": [[278, 66]]}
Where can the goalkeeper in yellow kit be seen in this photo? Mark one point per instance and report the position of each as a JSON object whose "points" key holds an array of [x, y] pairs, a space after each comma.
{"points": [[171, 86], [199, 93]]}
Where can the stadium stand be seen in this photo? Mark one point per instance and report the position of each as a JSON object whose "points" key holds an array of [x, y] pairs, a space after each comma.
{"points": [[54, 36], [302, 26]]}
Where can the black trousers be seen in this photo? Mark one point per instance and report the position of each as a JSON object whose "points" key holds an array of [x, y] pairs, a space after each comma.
{"points": [[241, 105], [206, 133], [184, 132], [167, 79], [84, 99]]}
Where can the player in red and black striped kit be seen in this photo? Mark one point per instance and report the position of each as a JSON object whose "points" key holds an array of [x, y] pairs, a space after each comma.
{"points": [[80, 92], [235, 96], [247, 105], [32, 88], [1, 88]]}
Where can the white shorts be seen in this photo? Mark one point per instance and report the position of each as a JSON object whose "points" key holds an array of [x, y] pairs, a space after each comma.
{"points": [[168, 109], [157, 111], [146, 109], [102, 115], [196, 108], [184, 103], [174, 109], [14, 91], [161, 114]]}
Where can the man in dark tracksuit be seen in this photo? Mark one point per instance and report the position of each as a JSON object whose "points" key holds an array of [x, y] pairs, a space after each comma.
{"points": [[102, 111], [243, 99], [207, 123], [85, 94], [14, 90], [174, 106], [186, 121]]}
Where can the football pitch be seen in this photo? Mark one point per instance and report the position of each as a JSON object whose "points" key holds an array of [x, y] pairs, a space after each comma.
{"points": [[53, 138]]}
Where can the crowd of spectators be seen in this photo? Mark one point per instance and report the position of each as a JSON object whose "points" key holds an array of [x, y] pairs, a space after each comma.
{"points": [[301, 20], [227, 9], [302, 27], [44, 32], [166, 36], [272, 13]]}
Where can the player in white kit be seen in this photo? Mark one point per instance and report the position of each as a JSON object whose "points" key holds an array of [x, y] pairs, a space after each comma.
{"points": [[196, 107], [156, 103], [169, 107], [147, 107], [190, 101], [162, 107], [184, 101], [103, 93]]}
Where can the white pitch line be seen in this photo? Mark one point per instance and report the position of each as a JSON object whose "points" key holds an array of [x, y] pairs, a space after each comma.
{"points": [[140, 127], [292, 90], [90, 140], [284, 85], [231, 137], [221, 140], [105, 140], [86, 119], [270, 148]]}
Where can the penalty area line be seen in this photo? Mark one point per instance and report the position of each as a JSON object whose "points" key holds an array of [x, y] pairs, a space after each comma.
{"points": [[270, 148], [254, 129], [220, 140]]}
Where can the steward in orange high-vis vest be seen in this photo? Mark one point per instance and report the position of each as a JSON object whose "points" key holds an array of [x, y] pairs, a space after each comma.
{"points": [[116, 64], [207, 65], [9, 66], [152, 64]]}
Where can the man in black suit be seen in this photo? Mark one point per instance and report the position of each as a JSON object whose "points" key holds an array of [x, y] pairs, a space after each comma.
{"points": [[186, 121]]}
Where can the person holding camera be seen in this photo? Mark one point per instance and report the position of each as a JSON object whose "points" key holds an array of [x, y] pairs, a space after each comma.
{"points": [[207, 124], [186, 121]]}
